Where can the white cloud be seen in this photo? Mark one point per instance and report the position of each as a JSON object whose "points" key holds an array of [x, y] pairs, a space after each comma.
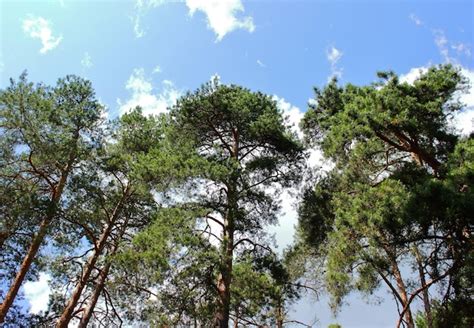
{"points": [[462, 49], [40, 28], [137, 29], [442, 43], [260, 63], [156, 70], [288, 219], [415, 19], [86, 60], [143, 95], [221, 15], [141, 8], [334, 55], [37, 293], [215, 77], [468, 97], [293, 113], [413, 74], [464, 120]]}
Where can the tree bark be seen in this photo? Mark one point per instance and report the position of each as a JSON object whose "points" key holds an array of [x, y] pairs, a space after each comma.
{"points": [[225, 276], [403, 293], [101, 280], [36, 241], [221, 319], [279, 315], [25, 265], [86, 316], [68, 311], [426, 297]]}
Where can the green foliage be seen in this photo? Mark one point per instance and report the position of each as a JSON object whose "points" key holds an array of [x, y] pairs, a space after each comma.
{"points": [[229, 145], [402, 179], [47, 133], [334, 325], [452, 314]]}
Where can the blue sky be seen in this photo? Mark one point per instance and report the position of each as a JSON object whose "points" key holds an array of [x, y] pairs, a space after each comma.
{"points": [[149, 52]]}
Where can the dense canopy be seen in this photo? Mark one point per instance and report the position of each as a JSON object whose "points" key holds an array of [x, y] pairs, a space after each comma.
{"points": [[163, 220]]}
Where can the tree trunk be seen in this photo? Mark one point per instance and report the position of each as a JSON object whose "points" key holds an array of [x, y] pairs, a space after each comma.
{"points": [[95, 296], [279, 315], [225, 278], [221, 319], [236, 320], [68, 311], [426, 296], [36, 242], [25, 265], [101, 280], [403, 293]]}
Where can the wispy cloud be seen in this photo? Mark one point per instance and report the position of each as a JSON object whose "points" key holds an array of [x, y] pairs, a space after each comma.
{"points": [[86, 61], [462, 49], [141, 8], [445, 46], [415, 19], [222, 15], [334, 55], [156, 70], [40, 28], [442, 43], [142, 94]]}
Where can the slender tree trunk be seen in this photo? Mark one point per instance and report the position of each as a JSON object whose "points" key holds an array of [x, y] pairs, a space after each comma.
{"points": [[279, 315], [25, 265], [101, 280], [236, 320], [225, 276], [68, 311], [86, 316], [36, 242], [403, 293], [66, 316], [426, 296]]}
